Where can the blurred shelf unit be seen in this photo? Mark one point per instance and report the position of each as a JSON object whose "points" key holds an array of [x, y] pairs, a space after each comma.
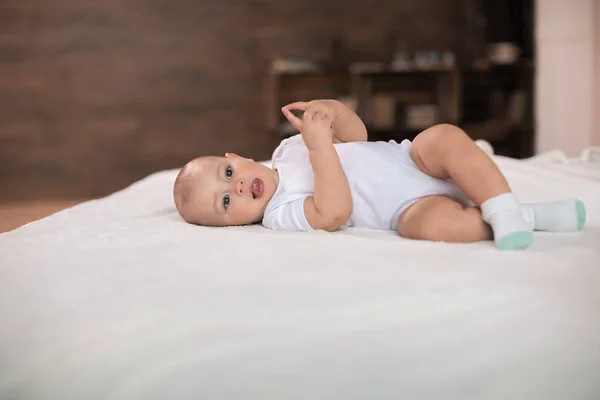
{"points": [[491, 102]]}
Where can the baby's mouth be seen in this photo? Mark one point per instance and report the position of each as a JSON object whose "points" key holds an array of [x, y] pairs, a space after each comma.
{"points": [[258, 188]]}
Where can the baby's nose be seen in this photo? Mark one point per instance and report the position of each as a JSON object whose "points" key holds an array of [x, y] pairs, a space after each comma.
{"points": [[239, 187]]}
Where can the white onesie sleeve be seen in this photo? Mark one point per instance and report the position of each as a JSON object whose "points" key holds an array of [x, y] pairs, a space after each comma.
{"points": [[288, 217]]}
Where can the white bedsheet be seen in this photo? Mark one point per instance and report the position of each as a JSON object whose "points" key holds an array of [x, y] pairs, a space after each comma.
{"points": [[119, 299]]}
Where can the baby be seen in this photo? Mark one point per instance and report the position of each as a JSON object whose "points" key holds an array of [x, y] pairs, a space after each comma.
{"points": [[440, 187]]}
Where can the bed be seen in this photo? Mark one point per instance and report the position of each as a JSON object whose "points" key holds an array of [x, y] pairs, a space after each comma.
{"points": [[117, 298]]}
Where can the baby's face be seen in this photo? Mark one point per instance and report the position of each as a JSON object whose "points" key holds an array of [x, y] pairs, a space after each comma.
{"points": [[229, 190]]}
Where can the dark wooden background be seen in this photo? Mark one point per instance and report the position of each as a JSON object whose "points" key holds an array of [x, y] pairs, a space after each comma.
{"points": [[97, 94]]}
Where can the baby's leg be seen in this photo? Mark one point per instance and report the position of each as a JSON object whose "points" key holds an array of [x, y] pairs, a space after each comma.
{"points": [[443, 219], [445, 151]]}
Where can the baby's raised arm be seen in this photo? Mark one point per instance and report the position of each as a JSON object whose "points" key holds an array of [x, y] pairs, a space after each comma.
{"points": [[347, 126], [331, 205]]}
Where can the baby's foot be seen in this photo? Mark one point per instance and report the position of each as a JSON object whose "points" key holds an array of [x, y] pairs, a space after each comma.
{"points": [[557, 216], [511, 231], [504, 214]]}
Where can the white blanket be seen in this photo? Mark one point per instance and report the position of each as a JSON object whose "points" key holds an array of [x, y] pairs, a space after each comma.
{"points": [[117, 298]]}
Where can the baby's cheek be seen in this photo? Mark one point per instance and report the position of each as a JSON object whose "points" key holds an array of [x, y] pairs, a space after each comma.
{"points": [[246, 211]]}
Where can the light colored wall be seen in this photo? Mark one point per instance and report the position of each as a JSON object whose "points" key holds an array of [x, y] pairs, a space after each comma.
{"points": [[565, 81], [596, 138]]}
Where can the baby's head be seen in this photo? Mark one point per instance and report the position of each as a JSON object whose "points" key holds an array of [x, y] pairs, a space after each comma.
{"points": [[222, 191]]}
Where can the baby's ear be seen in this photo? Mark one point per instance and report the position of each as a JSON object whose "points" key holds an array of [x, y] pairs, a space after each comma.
{"points": [[233, 155]]}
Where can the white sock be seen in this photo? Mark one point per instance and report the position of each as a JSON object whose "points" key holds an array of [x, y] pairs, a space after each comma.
{"points": [[556, 216], [504, 214]]}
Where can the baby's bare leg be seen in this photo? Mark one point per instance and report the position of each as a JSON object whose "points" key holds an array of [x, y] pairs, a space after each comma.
{"points": [[445, 151], [443, 219]]}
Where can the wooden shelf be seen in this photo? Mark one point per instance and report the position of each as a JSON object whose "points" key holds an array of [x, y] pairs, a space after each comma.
{"points": [[461, 96]]}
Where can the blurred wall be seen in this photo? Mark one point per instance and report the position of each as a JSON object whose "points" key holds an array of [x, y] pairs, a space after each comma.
{"points": [[566, 75], [596, 110], [97, 94]]}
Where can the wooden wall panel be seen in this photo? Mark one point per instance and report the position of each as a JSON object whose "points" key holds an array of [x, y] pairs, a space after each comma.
{"points": [[97, 94]]}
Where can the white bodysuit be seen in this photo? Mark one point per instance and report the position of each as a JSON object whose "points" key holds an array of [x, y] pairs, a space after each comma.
{"points": [[384, 181]]}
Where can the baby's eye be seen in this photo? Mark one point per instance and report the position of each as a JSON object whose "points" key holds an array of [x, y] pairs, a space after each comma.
{"points": [[226, 201], [228, 172]]}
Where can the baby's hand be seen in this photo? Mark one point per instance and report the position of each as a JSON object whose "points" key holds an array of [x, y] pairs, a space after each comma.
{"points": [[316, 129], [316, 123]]}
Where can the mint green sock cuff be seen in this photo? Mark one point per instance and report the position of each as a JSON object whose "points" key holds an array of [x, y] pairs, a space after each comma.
{"points": [[580, 207]]}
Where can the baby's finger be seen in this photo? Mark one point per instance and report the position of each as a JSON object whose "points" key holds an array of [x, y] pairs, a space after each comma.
{"points": [[317, 111], [295, 121], [299, 105], [309, 115]]}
